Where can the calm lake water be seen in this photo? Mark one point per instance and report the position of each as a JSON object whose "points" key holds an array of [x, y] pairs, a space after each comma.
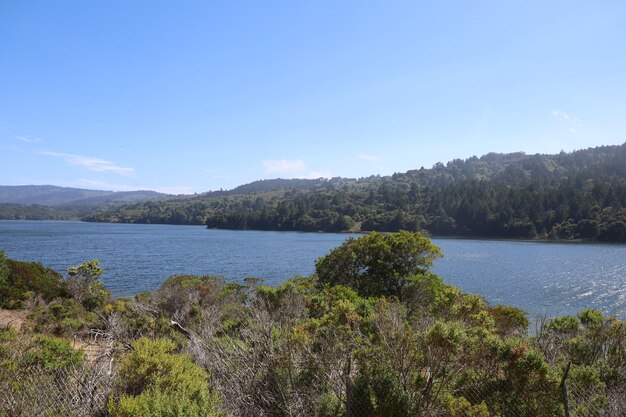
{"points": [[541, 278]]}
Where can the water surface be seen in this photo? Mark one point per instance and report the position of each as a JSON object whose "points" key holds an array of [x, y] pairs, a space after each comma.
{"points": [[542, 278]]}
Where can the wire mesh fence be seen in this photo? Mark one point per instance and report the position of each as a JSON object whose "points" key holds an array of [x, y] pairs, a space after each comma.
{"points": [[578, 402], [84, 390], [478, 402], [596, 402], [78, 391]]}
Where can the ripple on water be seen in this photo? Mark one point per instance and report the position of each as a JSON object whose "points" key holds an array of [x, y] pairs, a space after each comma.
{"points": [[540, 278]]}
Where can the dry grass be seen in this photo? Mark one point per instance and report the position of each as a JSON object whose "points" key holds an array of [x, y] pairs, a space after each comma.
{"points": [[14, 319]]}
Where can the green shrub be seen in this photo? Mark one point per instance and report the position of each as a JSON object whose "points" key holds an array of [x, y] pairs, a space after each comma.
{"points": [[20, 280], [53, 353], [7, 336], [591, 318], [162, 404], [154, 381], [378, 265], [63, 316], [510, 320], [85, 286], [565, 325], [135, 320], [4, 273], [461, 407]]}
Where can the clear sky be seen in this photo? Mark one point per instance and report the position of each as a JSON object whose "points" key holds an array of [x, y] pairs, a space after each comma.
{"points": [[183, 96]]}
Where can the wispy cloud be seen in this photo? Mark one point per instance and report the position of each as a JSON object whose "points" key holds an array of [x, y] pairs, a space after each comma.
{"points": [[28, 139], [366, 157], [561, 115], [295, 168], [90, 163], [571, 123]]}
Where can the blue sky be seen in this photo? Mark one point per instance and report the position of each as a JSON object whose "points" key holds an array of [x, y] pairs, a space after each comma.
{"points": [[195, 96]]}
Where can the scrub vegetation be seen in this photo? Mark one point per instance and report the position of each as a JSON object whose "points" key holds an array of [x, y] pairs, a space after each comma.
{"points": [[373, 332]]}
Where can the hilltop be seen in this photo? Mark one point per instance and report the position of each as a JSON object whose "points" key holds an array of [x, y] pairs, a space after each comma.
{"points": [[53, 196], [49, 202], [576, 195]]}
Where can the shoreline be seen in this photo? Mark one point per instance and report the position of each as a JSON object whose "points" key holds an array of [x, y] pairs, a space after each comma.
{"points": [[347, 232]]}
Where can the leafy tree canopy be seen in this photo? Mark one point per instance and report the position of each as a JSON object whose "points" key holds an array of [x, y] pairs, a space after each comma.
{"points": [[577, 195], [85, 286], [378, 264]]}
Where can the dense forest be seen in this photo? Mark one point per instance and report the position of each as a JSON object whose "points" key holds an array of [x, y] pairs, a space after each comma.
{"points": [[36, 212], [372, 333], [577, 195]]}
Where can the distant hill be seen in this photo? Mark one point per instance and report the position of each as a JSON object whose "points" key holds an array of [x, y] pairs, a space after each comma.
{"points": [[577, 195], [289, 184], [36, 212], [53, 196]]}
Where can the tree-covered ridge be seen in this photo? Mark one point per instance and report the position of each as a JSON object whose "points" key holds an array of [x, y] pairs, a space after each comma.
{"points": [[372, 333], [53, 196], [37, 212], [580, 194]]}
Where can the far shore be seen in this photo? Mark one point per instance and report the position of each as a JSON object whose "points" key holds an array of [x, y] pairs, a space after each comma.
{"points": [[357, 232]]}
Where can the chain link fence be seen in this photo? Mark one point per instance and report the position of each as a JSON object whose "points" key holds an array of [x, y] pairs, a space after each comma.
{"points": [[574, 401], [594, 402], [84, 390], [78, 391], [475, 402]]}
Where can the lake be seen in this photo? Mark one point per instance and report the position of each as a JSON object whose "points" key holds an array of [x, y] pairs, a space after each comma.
{"points": [[541, 278]]}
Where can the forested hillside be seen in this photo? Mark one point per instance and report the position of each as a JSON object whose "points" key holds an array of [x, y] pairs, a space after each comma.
{"points": [[565, 196], [36, 212]]}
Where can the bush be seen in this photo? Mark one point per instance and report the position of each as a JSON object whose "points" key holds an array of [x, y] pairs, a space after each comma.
{"points": [[18, 280], [7, 336], [4, 273], [85, 286], [378, 265], [154, 381], [510, 320], [53, 353], [63, 316]]}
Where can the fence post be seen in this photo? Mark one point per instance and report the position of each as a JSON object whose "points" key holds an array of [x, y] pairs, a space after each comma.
{"points": [[348, 371], [564, 390]]}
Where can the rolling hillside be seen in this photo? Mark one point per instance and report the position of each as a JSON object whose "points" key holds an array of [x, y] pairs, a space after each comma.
{"points": [[577, 195], [53, 196]]}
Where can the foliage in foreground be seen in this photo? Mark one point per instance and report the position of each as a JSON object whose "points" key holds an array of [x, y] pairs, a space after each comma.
{"points": [[372, 333], [156, 382], [20, 281]]}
